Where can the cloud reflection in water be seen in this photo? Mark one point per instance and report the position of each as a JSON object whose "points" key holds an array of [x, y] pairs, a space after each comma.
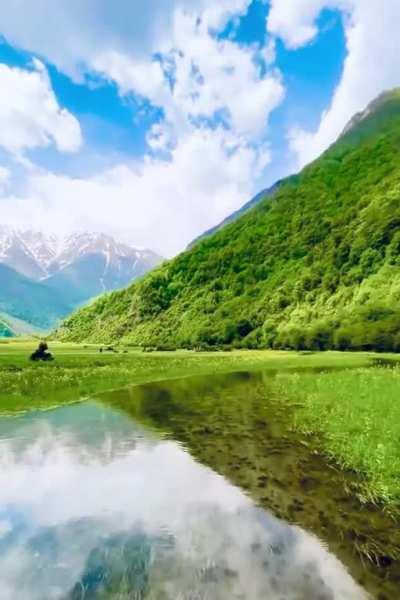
{"points": [[92, 506]]}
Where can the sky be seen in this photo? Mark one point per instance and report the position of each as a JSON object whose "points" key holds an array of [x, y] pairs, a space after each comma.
{"points": [[153, 120]]}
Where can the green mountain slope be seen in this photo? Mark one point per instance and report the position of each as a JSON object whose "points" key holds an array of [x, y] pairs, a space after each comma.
{"points": [[29, 300], [17, 327], [5, 329], [316, 266]]}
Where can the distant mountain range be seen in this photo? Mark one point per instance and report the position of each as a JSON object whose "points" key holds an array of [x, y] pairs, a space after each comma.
{"points": [[11, 326], [29, 300], [43, 277]]}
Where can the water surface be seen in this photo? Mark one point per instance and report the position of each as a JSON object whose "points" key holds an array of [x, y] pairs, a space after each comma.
{"points": [[96, 505]]}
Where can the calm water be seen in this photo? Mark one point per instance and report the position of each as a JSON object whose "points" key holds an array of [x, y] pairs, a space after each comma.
{"points": [[95, 505]]}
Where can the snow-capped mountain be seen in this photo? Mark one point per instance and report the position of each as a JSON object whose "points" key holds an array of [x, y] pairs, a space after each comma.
{"points": [[88, 264], [28, 252], [39, 256], [73, 269], [117, 257]]}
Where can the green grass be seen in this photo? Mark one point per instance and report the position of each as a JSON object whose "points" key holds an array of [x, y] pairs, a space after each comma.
{"points": [[356, 418], [80, 371]]}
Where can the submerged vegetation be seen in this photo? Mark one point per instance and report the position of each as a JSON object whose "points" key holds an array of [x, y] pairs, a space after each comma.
{"points": [[315, 266]]}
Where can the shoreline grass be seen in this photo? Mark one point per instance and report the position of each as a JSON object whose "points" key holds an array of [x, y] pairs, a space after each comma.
{"points": [[81, 371], [354, 420]]}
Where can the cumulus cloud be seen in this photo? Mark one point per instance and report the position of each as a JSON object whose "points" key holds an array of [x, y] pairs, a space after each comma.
{"points": [[371, 65], [199, 77], [4, 177], [133, 43], [213, 75], [79, 29], [162, 204], [294, 22], [210, 144], [30, 115]]}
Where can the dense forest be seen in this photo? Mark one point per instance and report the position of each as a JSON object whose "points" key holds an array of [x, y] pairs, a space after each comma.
{"points": [[315, 266]]}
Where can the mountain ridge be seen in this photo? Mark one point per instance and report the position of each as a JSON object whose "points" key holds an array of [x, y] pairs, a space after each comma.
{"points": [[266, 193], [51, 253], [316, 266]]}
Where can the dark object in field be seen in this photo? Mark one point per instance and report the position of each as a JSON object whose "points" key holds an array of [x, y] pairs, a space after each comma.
{"points": [[41, 353], [108, 349]]}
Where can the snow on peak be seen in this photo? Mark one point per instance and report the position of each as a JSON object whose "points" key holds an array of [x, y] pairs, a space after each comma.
{"points": [[38, 255]]}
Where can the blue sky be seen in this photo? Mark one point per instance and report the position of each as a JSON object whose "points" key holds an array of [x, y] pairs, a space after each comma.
{"points": [[153, 121]]}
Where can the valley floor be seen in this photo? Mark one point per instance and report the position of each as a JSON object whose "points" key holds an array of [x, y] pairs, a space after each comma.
{"points": [[345, 405]]}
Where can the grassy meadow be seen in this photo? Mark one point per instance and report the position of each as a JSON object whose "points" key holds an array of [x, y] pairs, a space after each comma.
{"points": [[355, 416], [348, 403], [81, 370]]}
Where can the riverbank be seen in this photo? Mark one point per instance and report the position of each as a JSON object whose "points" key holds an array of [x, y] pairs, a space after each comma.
{"points": [[79, 371], [354, 418], [345, 407]]}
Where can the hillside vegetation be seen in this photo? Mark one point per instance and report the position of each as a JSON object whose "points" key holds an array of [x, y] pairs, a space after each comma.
{"points": [[316, 266], [5, 329], [29, 301]]}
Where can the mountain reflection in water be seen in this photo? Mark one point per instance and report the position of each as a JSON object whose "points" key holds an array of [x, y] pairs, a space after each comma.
{"points": [[93, 506]]}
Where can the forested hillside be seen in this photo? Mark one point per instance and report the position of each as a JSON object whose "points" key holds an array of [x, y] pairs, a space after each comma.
{"points": [[30, 301], [5, 330], [315, 266]]}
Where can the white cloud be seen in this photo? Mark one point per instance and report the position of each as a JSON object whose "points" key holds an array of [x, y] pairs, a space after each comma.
{"points": [[5, 175], [210, 172], [294, 21], [167, 52], [162, 204], [209, 76], [30, 115], [134, 28], [211, 169], [371, 65], [268, 52], [119, 41], [215, 75]]}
